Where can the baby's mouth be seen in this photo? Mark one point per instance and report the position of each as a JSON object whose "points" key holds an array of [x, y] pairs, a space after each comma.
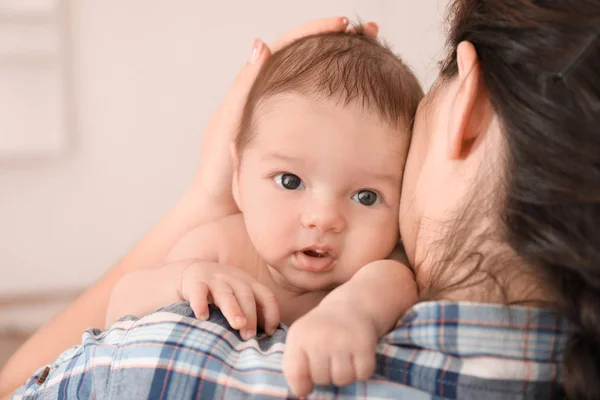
{"points": [[316, 259], [316, 253]]}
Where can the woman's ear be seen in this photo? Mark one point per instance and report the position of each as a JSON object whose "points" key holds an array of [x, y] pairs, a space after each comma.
{"points": [[470, 114], [235, 177]]}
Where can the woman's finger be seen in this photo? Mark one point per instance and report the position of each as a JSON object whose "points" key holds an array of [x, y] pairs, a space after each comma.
{"points": [[236, 97], [224, 298], [370, 29], [314, 27], [268, 306], [222, 128], [198, 297]]}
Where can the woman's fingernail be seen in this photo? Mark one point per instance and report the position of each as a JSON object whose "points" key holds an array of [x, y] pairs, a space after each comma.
{"points": [[256, 50], [240, 321], [374, 26], [345, 21]]}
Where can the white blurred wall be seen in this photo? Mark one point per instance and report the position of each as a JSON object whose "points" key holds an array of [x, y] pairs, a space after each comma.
{"points": [[145, 76]]}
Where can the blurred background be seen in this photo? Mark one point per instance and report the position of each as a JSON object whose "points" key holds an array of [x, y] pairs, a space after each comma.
{"points": [[102, 108]]}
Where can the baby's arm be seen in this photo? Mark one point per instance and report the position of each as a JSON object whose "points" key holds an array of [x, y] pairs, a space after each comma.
{"points": [[144, 290], [214, 242], [355, 314], [239, 296], [211, 257], [383, 289]]}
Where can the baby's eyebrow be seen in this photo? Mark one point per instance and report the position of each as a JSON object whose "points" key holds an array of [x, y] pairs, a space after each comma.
{"points": [[392, 179], [280, 157]]}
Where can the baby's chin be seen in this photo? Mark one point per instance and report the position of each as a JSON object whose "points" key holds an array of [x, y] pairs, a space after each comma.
{"points": [[300, 281], [307, 287]]}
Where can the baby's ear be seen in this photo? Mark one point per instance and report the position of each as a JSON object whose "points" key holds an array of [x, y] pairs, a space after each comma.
{"points": [[235, 177]]}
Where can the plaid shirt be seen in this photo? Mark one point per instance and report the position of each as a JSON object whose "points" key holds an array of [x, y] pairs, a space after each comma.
{"points": [[439, 350]]}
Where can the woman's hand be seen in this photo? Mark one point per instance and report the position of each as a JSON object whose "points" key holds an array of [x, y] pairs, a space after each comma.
{"points": [[216, 167]]}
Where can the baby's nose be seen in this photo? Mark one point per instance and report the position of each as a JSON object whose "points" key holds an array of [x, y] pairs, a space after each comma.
{"points": [[324, 215]]}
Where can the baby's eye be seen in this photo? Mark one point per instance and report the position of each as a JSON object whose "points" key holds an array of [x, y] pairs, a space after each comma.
{"points": [[366, 197], [289, 181]]}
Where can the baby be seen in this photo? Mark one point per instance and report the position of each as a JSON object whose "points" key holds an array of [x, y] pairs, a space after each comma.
{"points": [[318, 171]]}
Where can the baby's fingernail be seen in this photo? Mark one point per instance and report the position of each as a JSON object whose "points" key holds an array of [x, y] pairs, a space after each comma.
{"points": [[248, 334], [203, 317], [345, 21], [256, 50]]}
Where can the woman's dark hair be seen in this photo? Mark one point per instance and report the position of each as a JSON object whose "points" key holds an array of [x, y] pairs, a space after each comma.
{"points": [[540, 63]]}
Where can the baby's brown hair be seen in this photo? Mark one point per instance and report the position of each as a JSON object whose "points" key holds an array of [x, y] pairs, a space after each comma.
{"points": [[350, 67]]}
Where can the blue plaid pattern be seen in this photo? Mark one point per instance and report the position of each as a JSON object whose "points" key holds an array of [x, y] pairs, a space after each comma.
{"points": [[439, 350]]}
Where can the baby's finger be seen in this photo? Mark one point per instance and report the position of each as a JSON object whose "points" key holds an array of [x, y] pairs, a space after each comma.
{"points": [[314, 27], [296, 371], [320, 368], [198, 298], [269, 308], [245, 297], [364, 365], [225, 299], [342, 370]]}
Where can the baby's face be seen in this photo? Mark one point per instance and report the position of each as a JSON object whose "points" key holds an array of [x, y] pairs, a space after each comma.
{"points": [[319, 188]]}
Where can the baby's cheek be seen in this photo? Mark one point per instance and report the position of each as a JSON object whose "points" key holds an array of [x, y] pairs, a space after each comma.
{"points": [[379, 241], [389, 236]]}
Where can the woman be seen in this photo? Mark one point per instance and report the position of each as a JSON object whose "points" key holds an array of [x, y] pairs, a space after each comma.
{"points": [[500, 205]]}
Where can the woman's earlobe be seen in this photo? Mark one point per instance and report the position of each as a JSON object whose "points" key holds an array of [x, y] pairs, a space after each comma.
{"points": [[469, 115]]}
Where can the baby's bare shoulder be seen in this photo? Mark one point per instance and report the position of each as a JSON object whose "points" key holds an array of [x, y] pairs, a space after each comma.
{"points": [[235, 247], [232, 223], [224, 241]]}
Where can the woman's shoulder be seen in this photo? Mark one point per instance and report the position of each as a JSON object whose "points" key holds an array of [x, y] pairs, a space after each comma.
{"points": [[439, 350], [482, 329], [475, 349]]}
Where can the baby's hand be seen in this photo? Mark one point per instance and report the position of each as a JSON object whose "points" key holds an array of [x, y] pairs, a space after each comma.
{"points": [[235, 292], [333, 343]]}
